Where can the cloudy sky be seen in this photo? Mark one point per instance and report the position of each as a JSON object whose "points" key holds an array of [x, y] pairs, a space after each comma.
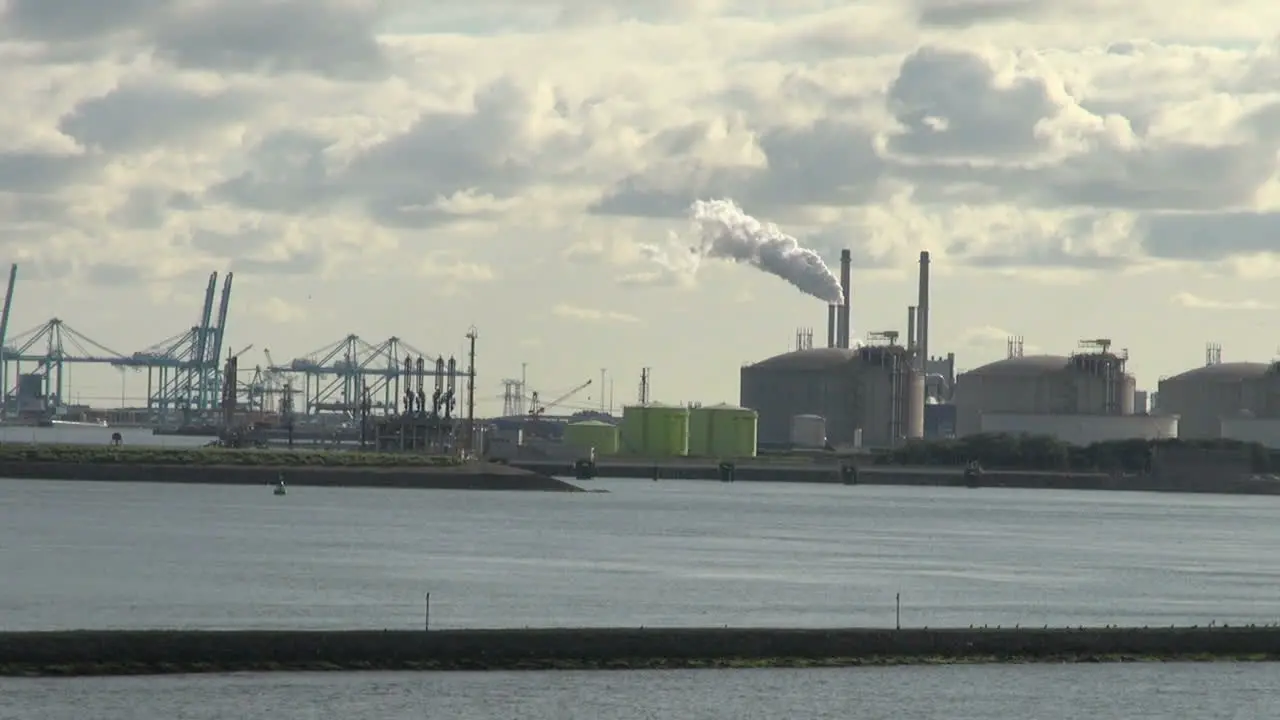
{"points": [[1079, 169]]}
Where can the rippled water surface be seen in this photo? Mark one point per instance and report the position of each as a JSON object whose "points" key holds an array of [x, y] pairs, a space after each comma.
{"points": [[670, 553], [1092, 692]]}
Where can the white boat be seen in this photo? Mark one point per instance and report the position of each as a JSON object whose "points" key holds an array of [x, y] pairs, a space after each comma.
{"points": [[280, 488]]}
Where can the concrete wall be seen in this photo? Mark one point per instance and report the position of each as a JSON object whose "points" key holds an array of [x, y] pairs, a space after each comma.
{"points": [[213, 651], [1083, 429], [1265, 431]]}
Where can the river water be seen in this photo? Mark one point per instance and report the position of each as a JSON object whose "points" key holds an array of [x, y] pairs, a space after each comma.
{"points": [[669, 553], [1017, 692]]}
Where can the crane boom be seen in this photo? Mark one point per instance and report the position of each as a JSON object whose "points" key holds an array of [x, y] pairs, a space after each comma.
{"points": [[540, 409]]}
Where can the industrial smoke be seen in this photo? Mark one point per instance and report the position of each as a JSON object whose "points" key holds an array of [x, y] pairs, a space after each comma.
{"points": [[725, 232]]}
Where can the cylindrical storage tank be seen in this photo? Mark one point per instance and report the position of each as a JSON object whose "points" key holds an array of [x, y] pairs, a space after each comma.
{"points": [[809, 431], [666, 431], [701, 431], [915, 405], [734, 431], [592, 435], [633, 436], [1203, 396]]}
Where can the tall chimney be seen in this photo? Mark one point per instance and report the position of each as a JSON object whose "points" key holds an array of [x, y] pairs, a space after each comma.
{"points": [[846, 266], [831, 325], [911, 328], [922, 312]]}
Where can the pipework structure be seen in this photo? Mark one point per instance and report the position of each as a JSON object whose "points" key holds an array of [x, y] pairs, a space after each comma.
{"points": [[417, 426], [352, 378]]}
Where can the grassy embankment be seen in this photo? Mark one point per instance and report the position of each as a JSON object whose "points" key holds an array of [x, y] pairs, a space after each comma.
{"points": [[134, 455], [221, 466]]}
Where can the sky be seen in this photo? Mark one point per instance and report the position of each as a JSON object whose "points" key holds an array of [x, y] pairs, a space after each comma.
{"points": [[1077, 169]]}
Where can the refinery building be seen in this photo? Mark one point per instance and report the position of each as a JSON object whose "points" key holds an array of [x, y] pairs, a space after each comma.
{"points": [[884, 393]]}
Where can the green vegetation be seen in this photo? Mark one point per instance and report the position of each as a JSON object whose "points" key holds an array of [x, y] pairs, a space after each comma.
{"points": [[1042, 452], [211, 456]]}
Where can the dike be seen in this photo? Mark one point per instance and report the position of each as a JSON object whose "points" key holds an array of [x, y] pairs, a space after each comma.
{"points": [[121, 652], [477, 476]]}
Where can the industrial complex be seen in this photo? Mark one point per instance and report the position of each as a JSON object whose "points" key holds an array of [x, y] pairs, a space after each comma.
{"points": [[880, 392]]}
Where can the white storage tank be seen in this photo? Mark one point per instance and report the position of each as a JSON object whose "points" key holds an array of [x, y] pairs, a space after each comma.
{"points": [[809, 431]]}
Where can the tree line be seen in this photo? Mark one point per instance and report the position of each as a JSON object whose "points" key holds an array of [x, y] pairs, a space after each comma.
{"points": [[999, 451]]}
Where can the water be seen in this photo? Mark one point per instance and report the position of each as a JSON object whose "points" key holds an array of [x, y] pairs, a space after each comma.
{"points": [[670, 553], [1097, 692]]}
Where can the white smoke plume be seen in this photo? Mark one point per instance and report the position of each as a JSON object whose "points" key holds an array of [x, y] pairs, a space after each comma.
{"points": [[725, 232]]}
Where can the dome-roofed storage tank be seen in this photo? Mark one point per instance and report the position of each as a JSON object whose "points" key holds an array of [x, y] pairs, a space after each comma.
{"points": [[700, 431], [809, 431], [867, 389], [666, 431], [1019, 385], [592, 435], [1203, 396], [1089, 383], [734, 431], [634, 432]]}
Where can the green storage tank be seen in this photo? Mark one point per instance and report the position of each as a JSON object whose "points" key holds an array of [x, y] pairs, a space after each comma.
{"points": [[700, 431], [734, 431], [634, 433], [591, 435], [666, 431]]}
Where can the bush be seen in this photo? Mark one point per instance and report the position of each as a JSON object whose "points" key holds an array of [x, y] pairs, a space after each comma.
{"points": [[100, 454], [1041, 452]]}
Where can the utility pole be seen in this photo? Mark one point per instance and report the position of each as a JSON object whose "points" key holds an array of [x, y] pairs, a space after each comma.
{"points": [[602, 386], [471, 389]]}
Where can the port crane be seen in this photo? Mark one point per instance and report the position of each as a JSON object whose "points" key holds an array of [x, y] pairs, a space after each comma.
{"points": [[537, 409]]}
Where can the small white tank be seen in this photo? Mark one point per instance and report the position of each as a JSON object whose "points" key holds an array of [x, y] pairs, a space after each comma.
{"points": [[809, 431]]}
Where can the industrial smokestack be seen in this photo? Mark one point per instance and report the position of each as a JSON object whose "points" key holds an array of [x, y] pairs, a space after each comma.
{"points": [[911, 327], [846, 266], [831, 325], [922, 312]]}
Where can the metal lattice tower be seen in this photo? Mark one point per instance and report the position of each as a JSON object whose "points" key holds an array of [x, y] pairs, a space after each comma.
{"points": [[184, 372], [50, 348]]}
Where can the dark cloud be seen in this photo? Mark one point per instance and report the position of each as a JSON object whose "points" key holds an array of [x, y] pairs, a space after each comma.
{"points": [[137, 117], [77, 20], [951, 105], [33, 172], [1175, 176], [321, 37], [1210, 236], [113, 274], [332, 38], [954, 14], [490, 150], [826, 163], [287, 173]]}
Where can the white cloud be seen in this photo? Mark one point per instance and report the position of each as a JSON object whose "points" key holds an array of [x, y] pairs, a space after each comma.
{"points": [[279, 311], [367, 154], [1195, 302], [592, 314]]}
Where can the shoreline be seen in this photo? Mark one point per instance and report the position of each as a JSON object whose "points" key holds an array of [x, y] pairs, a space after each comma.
{"points": [[150, 652], [478, 476], [909, 476]]}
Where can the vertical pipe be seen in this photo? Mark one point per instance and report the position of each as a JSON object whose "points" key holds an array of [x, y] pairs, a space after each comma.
{"points": [[831, 326], [911, 328], [846, 263], [922, 312]]}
